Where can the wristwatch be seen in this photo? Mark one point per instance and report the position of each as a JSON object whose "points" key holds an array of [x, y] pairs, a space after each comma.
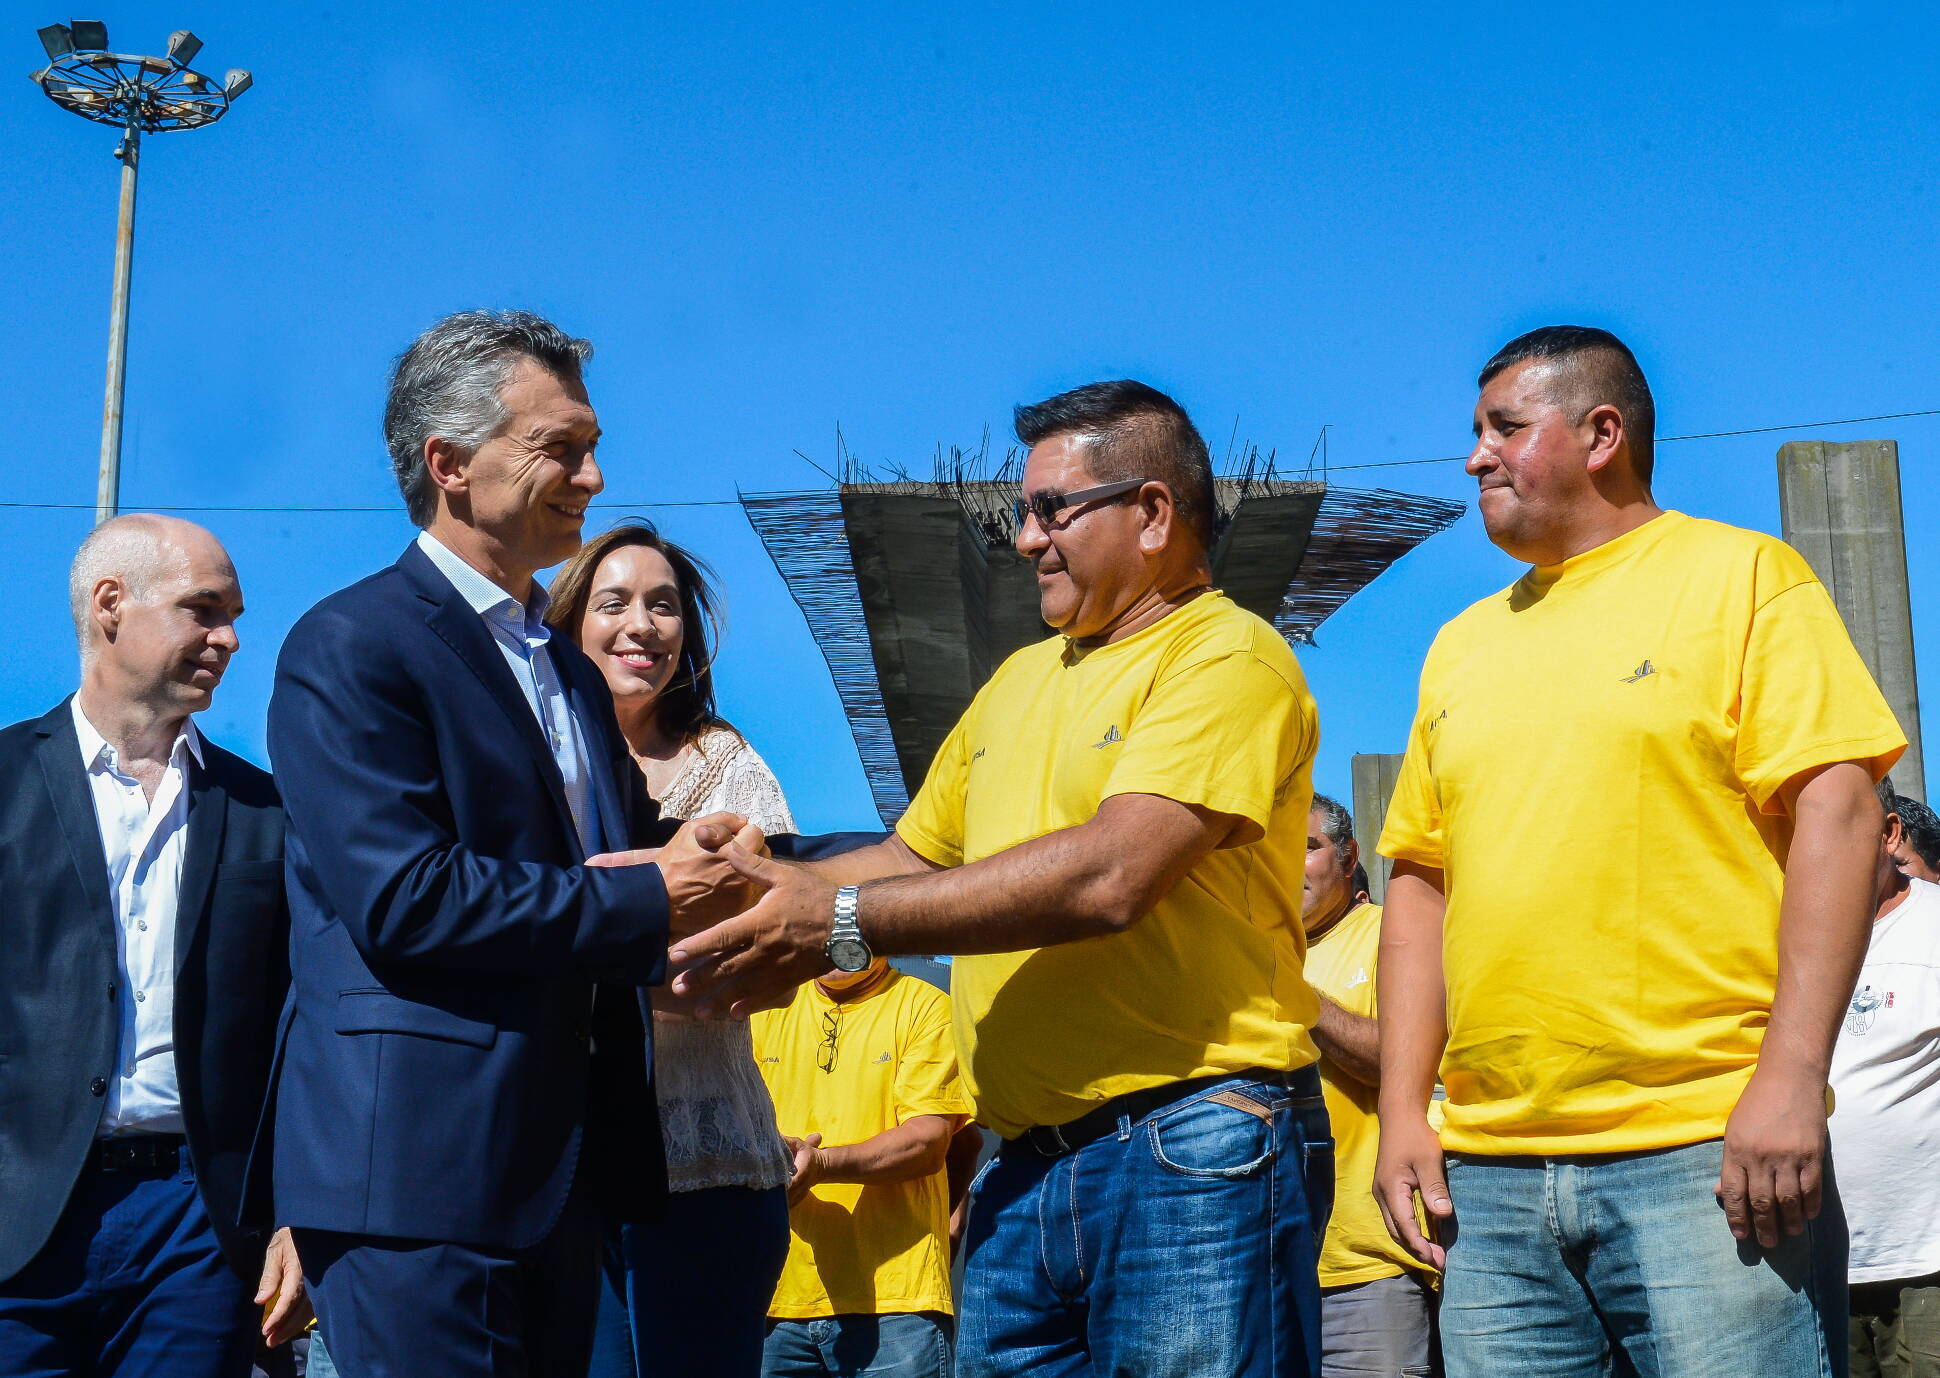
{"points": [[846, 947]]}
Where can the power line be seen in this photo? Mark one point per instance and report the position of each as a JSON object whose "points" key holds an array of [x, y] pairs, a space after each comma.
{"points": [[393, 507], [736, 502], [1668, 439]]}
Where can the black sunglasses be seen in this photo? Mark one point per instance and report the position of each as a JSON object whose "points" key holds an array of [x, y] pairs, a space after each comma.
{"points": [[1045, 506]]}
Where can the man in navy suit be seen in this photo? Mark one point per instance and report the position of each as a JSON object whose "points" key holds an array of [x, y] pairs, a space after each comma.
{"points": [[145, 942], [465, 1079]]}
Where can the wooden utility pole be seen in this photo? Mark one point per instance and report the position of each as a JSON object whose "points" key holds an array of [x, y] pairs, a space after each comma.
{"points": [[1841, 506], [1374, 777]]}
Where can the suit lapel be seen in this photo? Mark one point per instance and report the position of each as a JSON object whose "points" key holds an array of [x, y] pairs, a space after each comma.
{"points": [[592, 707], [67, 787], [208, 817]]}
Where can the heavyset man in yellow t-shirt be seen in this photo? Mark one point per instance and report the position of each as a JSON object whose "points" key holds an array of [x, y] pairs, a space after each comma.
{"points": [[1376, 1300], [1114, 831], [863, 1073], [1633, 841]]}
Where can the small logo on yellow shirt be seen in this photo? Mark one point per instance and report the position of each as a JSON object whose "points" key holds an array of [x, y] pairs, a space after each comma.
{"points": [[1112, 737], [977, 755], [1360, 978], [880, 1059], [1437, 720], [1645, 669], [771, 1059]]}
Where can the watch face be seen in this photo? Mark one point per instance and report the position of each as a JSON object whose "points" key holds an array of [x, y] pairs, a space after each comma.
{"points": [[849, 954]]}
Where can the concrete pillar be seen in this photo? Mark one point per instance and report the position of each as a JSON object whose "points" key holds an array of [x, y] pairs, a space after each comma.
{"points": [[1841, 507], [1374, 777]]}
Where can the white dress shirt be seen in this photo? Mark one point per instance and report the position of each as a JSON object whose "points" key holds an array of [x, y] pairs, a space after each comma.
{"points": [[143, 841], [520, 632]]}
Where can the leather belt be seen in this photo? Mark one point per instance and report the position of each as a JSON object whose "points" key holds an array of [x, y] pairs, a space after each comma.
{"points": [[1056, 1140], [144, 1154]]}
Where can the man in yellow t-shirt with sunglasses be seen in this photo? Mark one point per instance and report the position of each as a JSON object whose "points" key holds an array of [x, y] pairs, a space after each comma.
{"points": [[864, 1079], [1113, 834]]}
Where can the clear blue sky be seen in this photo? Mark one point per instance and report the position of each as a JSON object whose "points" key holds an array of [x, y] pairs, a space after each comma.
{"points": [[774, 219]]}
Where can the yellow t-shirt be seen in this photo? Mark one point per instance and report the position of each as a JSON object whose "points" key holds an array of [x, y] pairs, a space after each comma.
{"points": [[1207, 707], [1596, 764], [855, 1248], [1340, 964]]}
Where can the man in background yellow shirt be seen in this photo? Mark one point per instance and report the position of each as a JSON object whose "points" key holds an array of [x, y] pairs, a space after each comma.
{"points": [[864, 1079], [1634, 839], [1376, 1300], [1114, 832]]}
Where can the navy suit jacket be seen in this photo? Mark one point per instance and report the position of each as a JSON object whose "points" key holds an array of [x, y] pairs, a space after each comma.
{"points": [[444, 1068], [59, 967]]}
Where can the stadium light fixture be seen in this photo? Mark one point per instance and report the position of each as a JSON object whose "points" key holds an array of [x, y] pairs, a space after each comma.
{"points": [[138, 95]]}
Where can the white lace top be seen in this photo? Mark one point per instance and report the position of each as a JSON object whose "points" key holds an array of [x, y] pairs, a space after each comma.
{"points": [[716, 1119]]}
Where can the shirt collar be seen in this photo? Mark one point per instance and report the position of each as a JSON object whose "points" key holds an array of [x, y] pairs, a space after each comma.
{"points": [[98, 754], [487, 599]]}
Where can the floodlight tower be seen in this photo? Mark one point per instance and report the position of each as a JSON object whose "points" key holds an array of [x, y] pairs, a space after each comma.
{"points": [[140, 95]]}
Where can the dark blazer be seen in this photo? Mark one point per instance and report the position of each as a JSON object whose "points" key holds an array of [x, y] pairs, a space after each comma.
{"points": [[443, 1068], [59, 967]]}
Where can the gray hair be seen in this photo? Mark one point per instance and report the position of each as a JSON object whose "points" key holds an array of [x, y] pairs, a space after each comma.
{"points": [[134, 549], [447, 385], [1336, 822]]}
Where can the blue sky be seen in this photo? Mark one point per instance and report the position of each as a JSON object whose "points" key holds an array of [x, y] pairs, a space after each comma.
{"points": [[774, 220]]}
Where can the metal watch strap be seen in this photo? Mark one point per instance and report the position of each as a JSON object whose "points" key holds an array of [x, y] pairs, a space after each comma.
{"points": [[845, 916], [847, 950]]}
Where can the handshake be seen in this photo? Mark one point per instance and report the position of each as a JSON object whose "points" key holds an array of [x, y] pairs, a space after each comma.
{"points": [[703, 886], [746, 929]]}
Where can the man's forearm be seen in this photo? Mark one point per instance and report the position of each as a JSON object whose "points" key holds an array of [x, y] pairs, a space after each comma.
{"points": [[915, 1148], [1088, 881], [1825, 919], [1025, 897], [1413, 1021], [1351, 1042], [890, 857]]}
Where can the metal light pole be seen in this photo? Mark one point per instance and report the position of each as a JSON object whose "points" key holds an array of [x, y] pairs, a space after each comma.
{"points": [[140, 95]]}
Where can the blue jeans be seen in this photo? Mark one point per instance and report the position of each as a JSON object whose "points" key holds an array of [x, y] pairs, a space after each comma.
{"points": [[1184, 1245], [1623, 1265], [687, 1296], [913, 1344], [132, 1283]]}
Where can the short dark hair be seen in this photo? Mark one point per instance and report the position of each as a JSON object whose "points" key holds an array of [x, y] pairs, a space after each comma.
{"points": [[1137, 432], [686, 706], [1336, 822], [1922, 828], [448, 383], [1602, 369]]}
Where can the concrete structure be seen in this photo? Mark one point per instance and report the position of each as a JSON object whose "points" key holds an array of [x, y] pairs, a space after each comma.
{"points": [[1841, 506], [1374, 777], [914, 593]]}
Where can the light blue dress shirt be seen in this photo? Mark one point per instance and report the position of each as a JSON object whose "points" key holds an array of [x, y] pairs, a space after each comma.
{"points": [[519, 630]]}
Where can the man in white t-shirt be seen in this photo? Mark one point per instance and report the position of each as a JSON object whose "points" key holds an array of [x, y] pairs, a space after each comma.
{"points": [[1886, 1128]]}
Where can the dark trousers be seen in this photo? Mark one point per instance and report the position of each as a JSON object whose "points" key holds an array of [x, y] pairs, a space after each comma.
{"points": [[1895, 1328], [132, 1284], [418, 1308], [687, 1296]]}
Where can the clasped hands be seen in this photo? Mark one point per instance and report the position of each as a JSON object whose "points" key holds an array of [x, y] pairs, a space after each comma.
{"points": [[747, 929]]}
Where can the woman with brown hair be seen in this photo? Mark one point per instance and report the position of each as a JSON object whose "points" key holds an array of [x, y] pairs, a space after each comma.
{"points": [[687, 1295]]}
